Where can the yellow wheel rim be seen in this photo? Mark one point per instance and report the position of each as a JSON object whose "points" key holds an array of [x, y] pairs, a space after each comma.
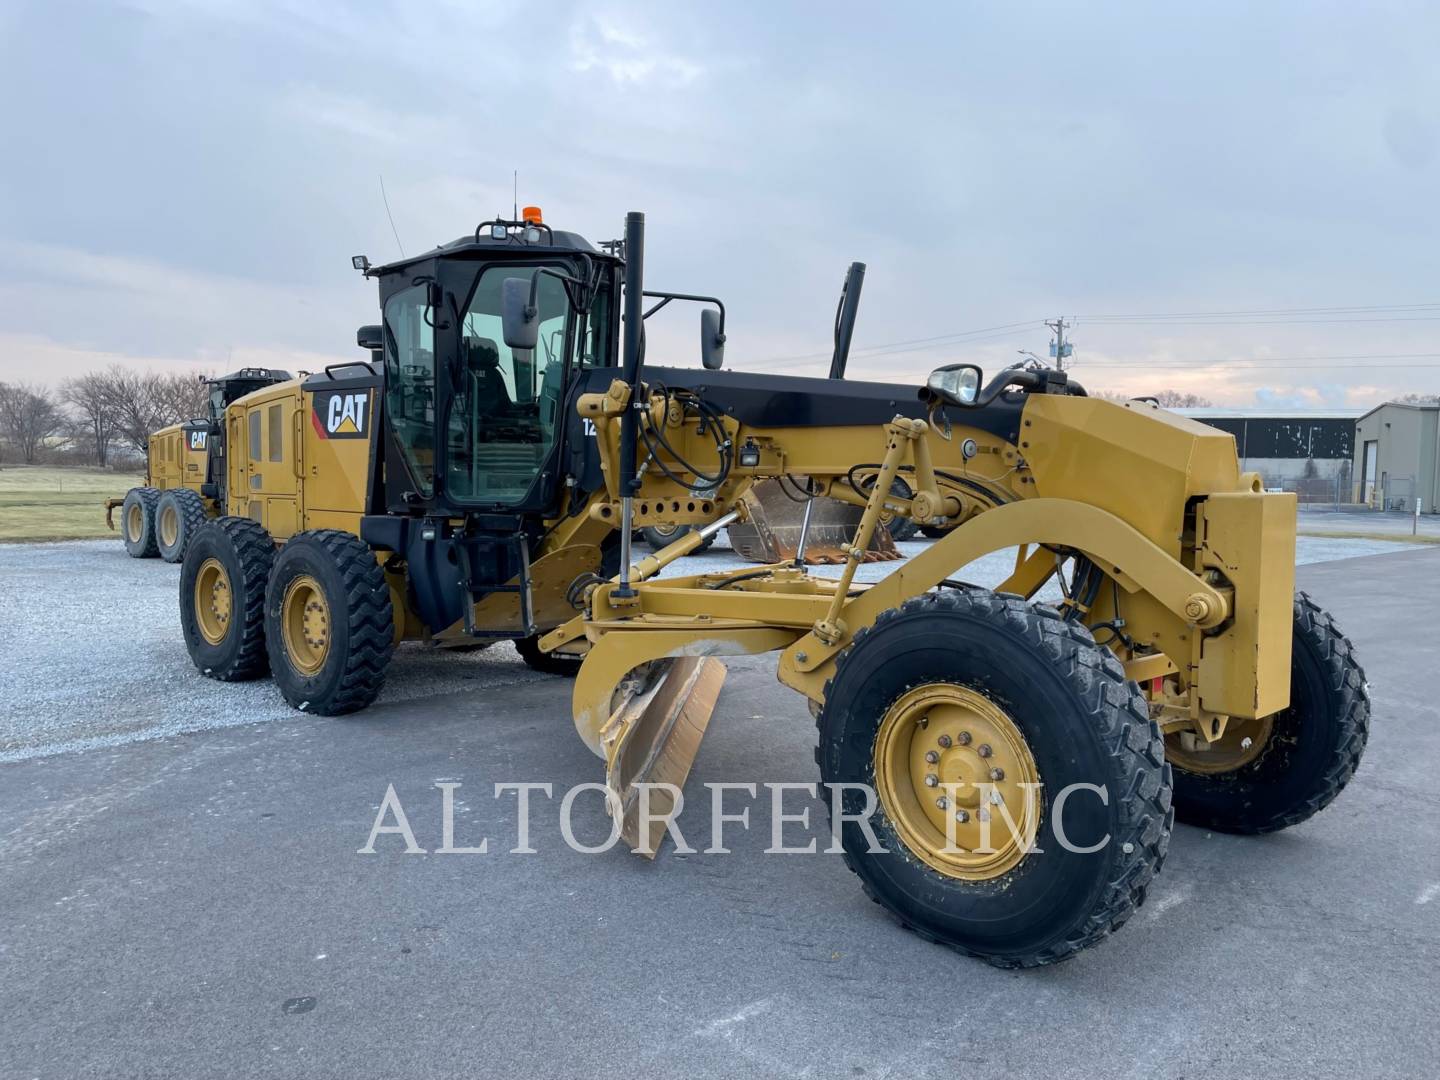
{"points": [[134, 523], [940, 734], [169, 526], [213, 601], [1242, 743], [305, 624]]}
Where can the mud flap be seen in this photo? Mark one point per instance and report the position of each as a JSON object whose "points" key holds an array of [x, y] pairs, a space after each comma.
{"points": [[771, 533], [660, 715]]}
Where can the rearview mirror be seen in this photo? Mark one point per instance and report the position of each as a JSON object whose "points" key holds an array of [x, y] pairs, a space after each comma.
{"points": [[370, 337], [958, 384], [712, 341], [519, 315]]}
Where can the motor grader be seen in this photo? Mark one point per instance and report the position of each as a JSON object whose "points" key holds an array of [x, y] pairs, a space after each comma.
{"points": [[1007, 771], [184, 468]]}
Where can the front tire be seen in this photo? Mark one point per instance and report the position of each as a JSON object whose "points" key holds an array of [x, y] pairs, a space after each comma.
{"points": [[222, 598], [178, 514], [659, 536], [1031, 699], [1288, 767], [901, 528], [549, 663], [329, 624], [137, 522]]}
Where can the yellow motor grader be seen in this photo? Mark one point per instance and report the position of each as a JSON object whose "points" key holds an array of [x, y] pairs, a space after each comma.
{"points": [[183, 465], [1006, 771]]}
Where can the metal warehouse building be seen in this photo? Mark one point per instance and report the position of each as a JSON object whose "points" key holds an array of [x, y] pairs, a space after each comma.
{"points": [[1311, 452], [1397, 457]]}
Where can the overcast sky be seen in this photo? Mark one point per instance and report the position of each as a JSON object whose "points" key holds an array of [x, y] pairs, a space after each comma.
{"points": [[183, 184]]}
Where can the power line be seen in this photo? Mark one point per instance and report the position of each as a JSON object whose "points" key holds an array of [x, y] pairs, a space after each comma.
{"points": [[912, 342], [1254, 322], [1260, 361], [1265, 311]]}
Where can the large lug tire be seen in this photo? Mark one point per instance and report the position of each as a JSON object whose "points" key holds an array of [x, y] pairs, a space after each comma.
{"points": [[178, 514], [1048, 704], [659, 536], [329, 624], [548, 663], [222, 598], [1270, 774], [137, 522]]}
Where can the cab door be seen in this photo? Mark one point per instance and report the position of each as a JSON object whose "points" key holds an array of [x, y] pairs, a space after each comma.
{"points": [[269, 475]]}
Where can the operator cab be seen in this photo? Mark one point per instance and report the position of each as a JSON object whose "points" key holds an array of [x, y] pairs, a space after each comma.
{"points": [[209, 433], [471, 420]]}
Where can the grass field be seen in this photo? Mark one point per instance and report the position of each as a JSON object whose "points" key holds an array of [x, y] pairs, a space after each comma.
{"points": [[39, 502]]}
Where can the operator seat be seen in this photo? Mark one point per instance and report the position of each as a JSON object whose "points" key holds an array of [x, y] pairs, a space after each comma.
{"points": [[482, 360]]}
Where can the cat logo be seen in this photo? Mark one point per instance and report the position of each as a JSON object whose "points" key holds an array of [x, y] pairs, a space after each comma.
{"points": [[341, 415], [197, 440]]}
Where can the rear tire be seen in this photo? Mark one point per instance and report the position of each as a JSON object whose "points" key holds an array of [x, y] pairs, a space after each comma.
{"points": [[137, 522], [222, 598], [1309, 752], [548, 663], [1055, 706], [659, 536], [329, 624], [178, 514]]}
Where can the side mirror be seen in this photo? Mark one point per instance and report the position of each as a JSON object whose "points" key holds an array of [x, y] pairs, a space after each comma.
{"points": [[957, 384], [519, 313], [370, 337], [712, 340]]}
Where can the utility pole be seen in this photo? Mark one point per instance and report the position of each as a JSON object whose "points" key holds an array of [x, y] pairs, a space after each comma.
{"points": [[1060, 349]]}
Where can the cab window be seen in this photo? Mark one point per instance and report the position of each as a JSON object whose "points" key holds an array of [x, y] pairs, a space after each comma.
{"points": [[507, 405], [410, 381]]}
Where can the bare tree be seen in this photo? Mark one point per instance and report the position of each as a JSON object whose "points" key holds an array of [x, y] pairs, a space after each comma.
{"points": [[1175, 399], [145, 403], [29, 417], [5, 391], [1417, 399], [179, 397], [134, 412], [94, 400], [1169, 399]]}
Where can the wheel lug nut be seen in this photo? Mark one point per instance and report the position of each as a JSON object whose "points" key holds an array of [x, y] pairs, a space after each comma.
{"points": [[944, 740], [942, 802], [931, 756], [963, 738], [962, 816], [997, 774], [984, 815], [931, 780], [983, 750]]}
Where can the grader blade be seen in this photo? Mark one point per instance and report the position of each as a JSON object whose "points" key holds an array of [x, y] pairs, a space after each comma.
{"points": [[652, 738], [775, 521]]}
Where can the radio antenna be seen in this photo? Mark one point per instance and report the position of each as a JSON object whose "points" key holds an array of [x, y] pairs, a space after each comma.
{"points": [[386, 199], [515, 180]]}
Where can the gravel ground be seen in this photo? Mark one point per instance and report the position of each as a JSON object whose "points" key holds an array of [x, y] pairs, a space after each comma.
{"points": [[91, 653]]}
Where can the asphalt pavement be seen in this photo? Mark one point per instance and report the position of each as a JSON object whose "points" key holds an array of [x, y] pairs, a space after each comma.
{"points": [[195, 905]]}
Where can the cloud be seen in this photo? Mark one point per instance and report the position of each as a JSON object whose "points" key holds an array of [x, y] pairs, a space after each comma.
{"points": [[1409, 137], [627, 56], [201, 184]]}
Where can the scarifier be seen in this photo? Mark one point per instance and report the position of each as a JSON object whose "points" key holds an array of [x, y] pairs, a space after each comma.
{"points": [[1020, 763]]}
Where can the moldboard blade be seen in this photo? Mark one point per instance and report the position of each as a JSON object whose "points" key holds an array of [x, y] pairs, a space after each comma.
{"points": [[653, 737]]}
